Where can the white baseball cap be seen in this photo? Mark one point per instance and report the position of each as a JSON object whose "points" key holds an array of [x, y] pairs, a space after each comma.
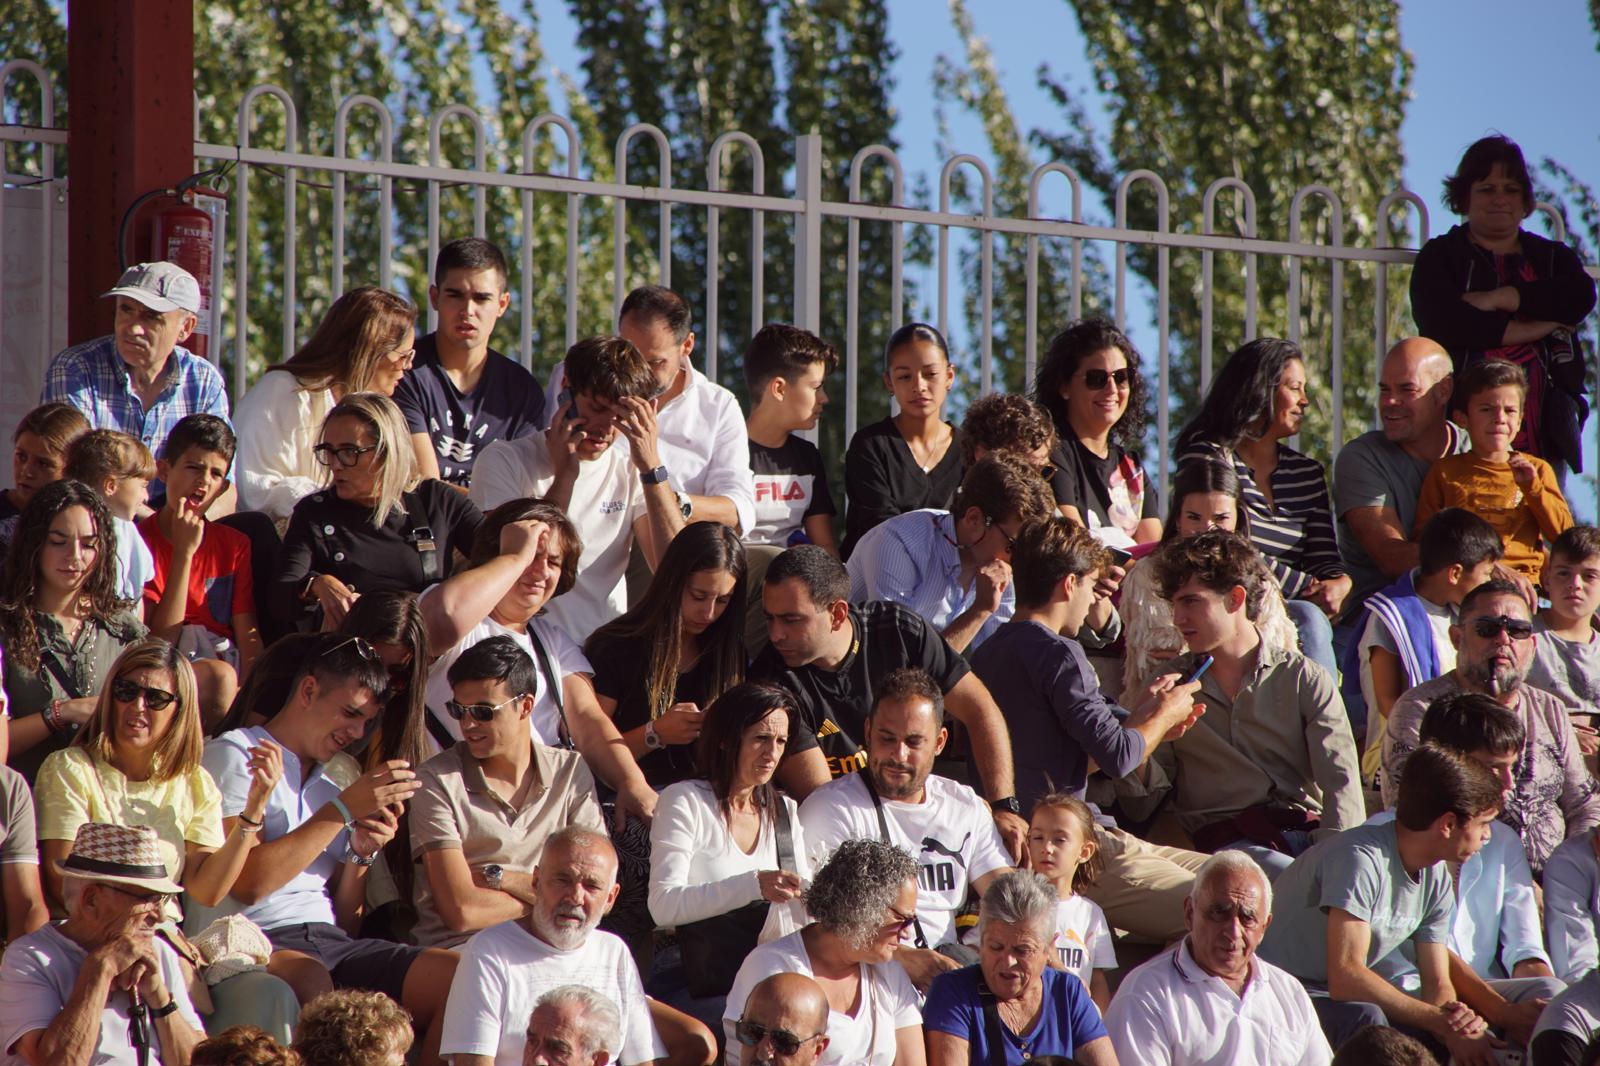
{"points": [[160, 287]]}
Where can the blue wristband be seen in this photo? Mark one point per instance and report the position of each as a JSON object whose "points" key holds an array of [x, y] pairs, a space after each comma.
{"points": [[344, 812]]}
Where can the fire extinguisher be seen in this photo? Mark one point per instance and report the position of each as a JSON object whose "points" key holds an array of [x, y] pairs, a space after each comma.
{"points": [[185, 235]]}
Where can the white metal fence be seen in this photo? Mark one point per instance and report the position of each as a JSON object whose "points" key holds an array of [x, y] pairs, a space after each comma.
{"points": [[808, 206]]}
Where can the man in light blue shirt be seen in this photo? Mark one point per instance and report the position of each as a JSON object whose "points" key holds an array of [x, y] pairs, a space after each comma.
{"points": [[1495, 928], [954, 567]]}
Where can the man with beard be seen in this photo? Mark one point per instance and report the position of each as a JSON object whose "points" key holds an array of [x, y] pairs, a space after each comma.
{"points": [[1553, 796], [897, 798], [507, 967]]}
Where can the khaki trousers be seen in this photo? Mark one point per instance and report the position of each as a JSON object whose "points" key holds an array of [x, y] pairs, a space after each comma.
{"points": [[1142, 886]]}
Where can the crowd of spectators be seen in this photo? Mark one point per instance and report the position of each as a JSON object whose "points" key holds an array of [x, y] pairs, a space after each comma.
{"points": [[493, 723]]}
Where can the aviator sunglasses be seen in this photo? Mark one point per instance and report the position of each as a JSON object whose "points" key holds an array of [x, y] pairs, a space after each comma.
{"points": [[783, 1042]]}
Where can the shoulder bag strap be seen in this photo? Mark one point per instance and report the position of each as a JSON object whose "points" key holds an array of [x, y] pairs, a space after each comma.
{"points": [[785, 835], [420, 537], [554, 684], [921, 940], [994, 1033], [63, 676]]}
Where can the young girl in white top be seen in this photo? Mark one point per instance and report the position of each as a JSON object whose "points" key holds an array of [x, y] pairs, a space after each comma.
{"points": [[1061, 844]]}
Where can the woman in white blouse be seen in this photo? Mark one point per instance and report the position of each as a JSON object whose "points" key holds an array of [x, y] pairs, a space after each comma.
{"points": [[861, 901], [365, 343]]}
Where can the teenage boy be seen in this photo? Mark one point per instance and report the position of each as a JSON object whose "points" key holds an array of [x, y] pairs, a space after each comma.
{"points": [[1271, 764], [305, 883], [202, 597], [1516, 492], [784, 369], [1060, 723], [1495, 929], [1353, 899], [954, 567], [612, 495], [460, 395], [1566, 651], [486, 805], [1406, 641]]}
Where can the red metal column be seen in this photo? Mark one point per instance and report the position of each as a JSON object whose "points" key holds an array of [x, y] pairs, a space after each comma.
{"points": [[130, 121]]}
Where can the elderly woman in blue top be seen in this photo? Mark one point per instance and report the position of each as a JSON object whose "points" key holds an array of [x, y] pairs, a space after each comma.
{"points": [[1042, 1010], [954, 567]]}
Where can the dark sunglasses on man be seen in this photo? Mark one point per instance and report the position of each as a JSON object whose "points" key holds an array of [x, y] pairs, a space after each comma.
{"points": [[1493, 625], [480, 712], [784, 1042]]}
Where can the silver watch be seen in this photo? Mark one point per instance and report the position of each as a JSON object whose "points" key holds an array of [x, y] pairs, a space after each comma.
{"points": [[493, 875], [652, 739], [685, 504]]}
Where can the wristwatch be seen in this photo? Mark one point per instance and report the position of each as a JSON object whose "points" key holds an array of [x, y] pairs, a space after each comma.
{"points": [[685, 504], [656, 476], [652, 739], [163, 1011], [1006, 803], [493, 875]]}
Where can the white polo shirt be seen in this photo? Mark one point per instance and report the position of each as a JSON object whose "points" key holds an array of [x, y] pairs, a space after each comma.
{"points": [[1170, 1012], [607, 499], [702, 440]]}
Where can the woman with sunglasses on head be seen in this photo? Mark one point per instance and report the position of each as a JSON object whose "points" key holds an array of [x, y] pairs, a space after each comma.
{"points": [[364, 343], [861, 901], [61, 625], [377, 527], [1091, 385], [137, 762]]}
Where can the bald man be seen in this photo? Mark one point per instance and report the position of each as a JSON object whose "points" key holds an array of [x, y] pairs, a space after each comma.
{"points": [[784, 1023], [1378, 476]]}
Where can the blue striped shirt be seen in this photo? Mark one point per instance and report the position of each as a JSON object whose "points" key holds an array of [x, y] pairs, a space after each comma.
{"points": [[1295, 532], [912, 559], [93, 378]]}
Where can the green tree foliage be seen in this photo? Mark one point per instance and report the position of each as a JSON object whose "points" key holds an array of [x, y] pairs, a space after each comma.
{"points": [[1280, 96]]}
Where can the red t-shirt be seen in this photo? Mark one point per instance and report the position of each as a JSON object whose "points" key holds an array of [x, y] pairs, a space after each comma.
{"points": [[219, 578]]}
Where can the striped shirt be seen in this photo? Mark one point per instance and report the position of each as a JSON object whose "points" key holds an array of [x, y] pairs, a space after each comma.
{"points": [[93, 378], [1294, 532]]}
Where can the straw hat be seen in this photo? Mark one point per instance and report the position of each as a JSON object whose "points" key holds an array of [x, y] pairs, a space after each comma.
{"points": [[118, 855]]}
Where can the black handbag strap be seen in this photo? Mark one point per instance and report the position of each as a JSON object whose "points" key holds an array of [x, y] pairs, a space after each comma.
{"points": [[921, 939], [994, 1033], [420, 537], [547, 668], [63, 676], [780, 822]]}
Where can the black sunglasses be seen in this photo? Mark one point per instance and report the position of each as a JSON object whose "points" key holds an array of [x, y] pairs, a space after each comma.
{"points": [[990, 523], [480, 712], [1096, 379], [155, 699], [783, 1042], [1492, 626], [347, 454]]}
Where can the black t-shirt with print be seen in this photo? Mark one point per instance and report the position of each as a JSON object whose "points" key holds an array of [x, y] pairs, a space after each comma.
{"points": [[507, 403], [834, 703], [1084, 480], [620, 667], [791, 485]]}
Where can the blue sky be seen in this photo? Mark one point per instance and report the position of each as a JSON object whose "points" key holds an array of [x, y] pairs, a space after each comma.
{"points": [[1541, 94]]}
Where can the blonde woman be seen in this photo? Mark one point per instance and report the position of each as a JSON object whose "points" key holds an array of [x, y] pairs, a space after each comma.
{"points": [[377, 526], [366, 342]]}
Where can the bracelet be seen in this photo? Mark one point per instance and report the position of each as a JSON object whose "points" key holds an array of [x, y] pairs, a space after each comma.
{"points": [[162, 1012], [344, 812], [364, 860], [247, 820], [52, 717], [245, 827]]}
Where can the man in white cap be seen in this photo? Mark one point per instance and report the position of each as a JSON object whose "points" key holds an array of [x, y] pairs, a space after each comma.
{"points": [[101, 987], [140, 379]]}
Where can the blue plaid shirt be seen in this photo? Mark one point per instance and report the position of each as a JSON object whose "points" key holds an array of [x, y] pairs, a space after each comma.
{"points": [[92, 377]]}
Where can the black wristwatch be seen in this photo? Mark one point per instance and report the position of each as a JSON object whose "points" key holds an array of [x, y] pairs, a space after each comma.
{"points": [[162, 1012], [655, 477], [1006, 803]]}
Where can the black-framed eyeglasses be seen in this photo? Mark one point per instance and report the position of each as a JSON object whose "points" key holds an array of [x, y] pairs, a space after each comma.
{"points": [[1096, 378], [1492, 626], [124, 690], [158, 898], [784, 1042], [480, 712], [990, 523], [348, 455]]}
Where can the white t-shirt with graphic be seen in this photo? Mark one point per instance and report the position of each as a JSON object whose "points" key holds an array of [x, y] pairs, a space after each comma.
{"points": [[951, 834], [1083, 939]]}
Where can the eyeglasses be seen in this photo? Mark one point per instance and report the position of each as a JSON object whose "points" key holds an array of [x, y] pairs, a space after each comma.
{"points": [[155, 699], [990, 523], [898, 921], [481, 712], [158, 898], [402, 360], [1493, 626], [363, 647], [1096, 379], [347, 454], [783, 1042], [1047, 471]]}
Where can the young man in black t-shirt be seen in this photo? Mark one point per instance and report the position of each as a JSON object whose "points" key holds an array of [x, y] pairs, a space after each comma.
{"points": [[461, 395], [828, 652]]}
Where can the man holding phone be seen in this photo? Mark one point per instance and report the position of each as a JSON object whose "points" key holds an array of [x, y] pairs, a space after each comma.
{"points": [[1272, 766]]}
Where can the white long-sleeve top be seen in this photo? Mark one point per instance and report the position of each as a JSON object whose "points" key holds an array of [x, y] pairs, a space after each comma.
{"points": [[278, 424], [697, 871]]}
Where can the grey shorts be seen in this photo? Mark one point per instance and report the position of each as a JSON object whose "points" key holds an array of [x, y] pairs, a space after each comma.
{"points": [[377, 965]]}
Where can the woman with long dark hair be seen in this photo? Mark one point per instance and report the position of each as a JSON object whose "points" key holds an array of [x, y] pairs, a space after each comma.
{"points": [[61, 624], [1257, 401], [1091, 385], [661, 664], [364, 343]]}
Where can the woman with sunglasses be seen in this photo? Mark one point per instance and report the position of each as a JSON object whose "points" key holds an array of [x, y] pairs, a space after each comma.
{"points": [[61, 625], [364, 344], [861, 901], [377, 527], [1205, 496], [1091, 385]]}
